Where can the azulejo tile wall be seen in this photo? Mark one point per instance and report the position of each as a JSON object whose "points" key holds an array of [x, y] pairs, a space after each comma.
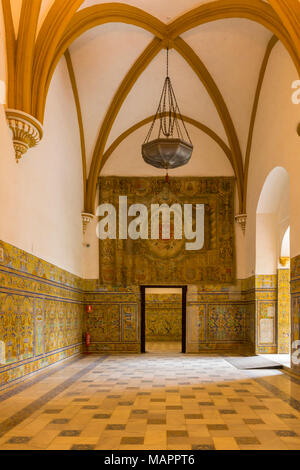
{"points": [[163, 317], [114, 321], [219, 319], [284, 311], [295, 313], [41, 314], [266, 314], [249, 317]]}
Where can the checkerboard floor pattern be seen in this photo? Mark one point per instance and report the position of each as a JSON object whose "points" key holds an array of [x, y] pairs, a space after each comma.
{"points": [[152, 401]]}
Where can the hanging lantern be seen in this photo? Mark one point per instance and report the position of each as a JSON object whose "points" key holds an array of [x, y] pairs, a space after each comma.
{"points": [[173, 147]]}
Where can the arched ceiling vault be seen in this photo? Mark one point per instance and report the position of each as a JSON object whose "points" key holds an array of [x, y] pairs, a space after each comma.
{"points": [[80, 120], [262, 72], [198, 66], [289, 13], [31, 63], [46, 60], [199, 125]]}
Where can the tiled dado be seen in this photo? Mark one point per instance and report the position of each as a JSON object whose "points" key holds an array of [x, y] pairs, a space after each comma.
{"points": [[284, 311], [295, 312], [114, 321], [260, 294], [219, 319], [269, 296], [41, 313], [266, 313]]}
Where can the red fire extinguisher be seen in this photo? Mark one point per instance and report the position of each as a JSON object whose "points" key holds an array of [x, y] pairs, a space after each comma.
{"points": [[87, 340]]}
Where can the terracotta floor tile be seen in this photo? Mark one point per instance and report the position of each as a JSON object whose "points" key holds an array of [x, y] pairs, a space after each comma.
{"points": [[154, 402]]}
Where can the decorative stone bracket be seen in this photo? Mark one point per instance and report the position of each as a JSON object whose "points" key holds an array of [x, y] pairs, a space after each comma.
{"points": [[27, 131], [284, 260], [86, 218], [241, 219]]}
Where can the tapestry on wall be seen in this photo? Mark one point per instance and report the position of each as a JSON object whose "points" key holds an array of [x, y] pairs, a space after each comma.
{"points": [[164, 261]]}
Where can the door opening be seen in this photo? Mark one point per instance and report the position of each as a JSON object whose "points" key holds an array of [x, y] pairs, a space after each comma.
{"points": [[163, 318]]}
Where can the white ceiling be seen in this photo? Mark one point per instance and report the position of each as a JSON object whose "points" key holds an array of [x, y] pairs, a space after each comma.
{"points": [[207, 159], [101, 58], [143, 99], [165, 10], [231, 49]]}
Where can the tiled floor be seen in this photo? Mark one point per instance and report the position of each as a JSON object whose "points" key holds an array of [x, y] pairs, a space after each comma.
{"points": [[152, 401]]}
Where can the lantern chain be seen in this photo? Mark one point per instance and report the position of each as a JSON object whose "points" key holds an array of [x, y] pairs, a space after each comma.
{"points": [[168, 112]]}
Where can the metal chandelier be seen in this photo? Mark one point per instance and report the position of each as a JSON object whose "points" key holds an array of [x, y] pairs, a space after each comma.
{"points": [[172, 147]]}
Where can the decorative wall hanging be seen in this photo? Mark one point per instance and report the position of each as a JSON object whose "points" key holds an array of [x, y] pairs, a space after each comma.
{"points": [[166, 261]]}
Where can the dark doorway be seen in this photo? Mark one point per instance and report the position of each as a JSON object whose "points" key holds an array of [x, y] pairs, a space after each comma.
{"points": [[143, 314]]}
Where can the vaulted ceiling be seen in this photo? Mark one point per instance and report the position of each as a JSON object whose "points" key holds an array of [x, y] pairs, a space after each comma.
{"points": [[116, 60], [232, 50]]}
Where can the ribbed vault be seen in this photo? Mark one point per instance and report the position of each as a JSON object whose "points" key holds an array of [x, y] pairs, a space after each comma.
{"points": [[34, 52]]}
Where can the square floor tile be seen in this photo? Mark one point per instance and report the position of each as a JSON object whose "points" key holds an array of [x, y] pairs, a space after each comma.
{"points": [[243, 441], [253, 421], [83, 447], [18, 440], [70, 433], [217, 427], [132, 440], [115, 427], [286, 433], [203, 447]]}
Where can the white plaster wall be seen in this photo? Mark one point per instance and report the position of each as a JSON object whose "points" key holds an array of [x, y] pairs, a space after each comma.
{"points": [[3, 69], [91, 248], [266, 244], [101, 58], [285, 245], [273, 218], [42, 197], [208, 159], [275, 143]]}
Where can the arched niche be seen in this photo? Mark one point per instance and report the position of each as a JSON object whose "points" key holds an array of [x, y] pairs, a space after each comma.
{"points": [[272, 220], [272, 264]]}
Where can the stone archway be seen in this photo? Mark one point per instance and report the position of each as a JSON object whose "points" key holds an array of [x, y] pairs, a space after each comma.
{"points": [[272, 277]]}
